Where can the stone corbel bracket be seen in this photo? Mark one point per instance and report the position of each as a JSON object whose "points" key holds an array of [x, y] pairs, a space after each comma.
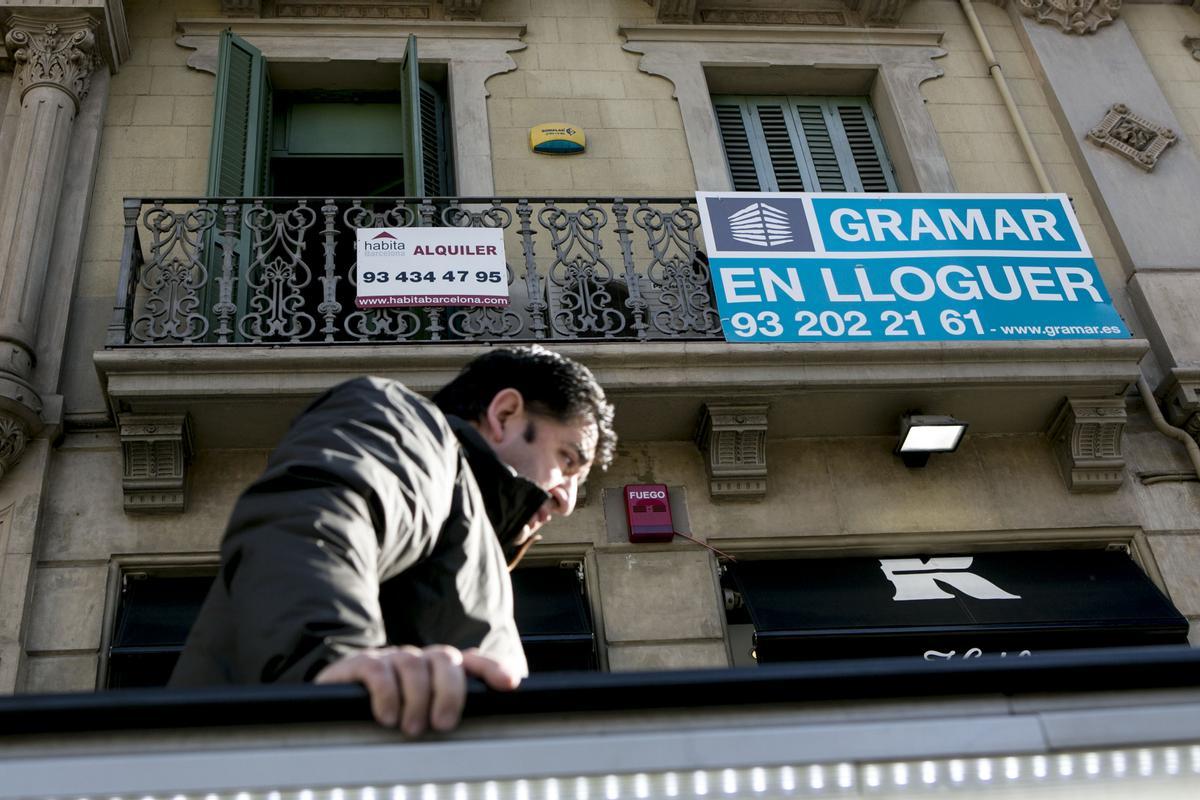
{"points": [[1086, 436], [733, 440], [1072, 16], [156, 449], [1136, 138], [1182, 405], [1192, 43]]}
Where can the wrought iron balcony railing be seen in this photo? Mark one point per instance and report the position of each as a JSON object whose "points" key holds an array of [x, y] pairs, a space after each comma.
{"points": [[268, 270]]}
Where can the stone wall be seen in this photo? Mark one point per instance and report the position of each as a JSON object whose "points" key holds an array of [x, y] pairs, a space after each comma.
{"points": [[1159, 31], [574, 70], [826, 494]]}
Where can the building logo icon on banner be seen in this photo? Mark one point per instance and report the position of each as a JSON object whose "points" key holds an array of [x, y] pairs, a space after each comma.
{"points": [[762, 225]]}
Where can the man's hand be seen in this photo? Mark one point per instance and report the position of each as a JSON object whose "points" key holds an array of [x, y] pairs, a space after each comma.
{"points": [[416, 687]]}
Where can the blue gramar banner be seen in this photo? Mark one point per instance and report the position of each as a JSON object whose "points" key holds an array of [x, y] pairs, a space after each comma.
{"points": [[801, 267]]}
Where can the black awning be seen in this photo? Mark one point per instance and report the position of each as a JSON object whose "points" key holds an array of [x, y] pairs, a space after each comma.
{"points": [[952, 606]]}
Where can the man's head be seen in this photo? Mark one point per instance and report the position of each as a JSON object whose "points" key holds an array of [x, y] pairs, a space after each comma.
{"points": [[543, 414]]}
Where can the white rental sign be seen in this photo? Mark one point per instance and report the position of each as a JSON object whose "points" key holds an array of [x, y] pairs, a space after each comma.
{"points": [[431, 267]]}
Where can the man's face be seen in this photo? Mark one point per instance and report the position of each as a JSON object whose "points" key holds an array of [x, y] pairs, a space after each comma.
{"points": [[552, 454]]}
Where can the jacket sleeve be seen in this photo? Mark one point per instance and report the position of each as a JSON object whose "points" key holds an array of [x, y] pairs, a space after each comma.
{"points": [[363, 478]]}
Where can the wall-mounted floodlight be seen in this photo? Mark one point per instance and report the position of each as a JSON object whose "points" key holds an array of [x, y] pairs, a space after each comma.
{"points": [[922, 434]]}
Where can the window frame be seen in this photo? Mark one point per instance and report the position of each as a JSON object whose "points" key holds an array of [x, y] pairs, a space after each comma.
{"points": [[472, 52], [120, 565], [888, 65], [829, 106]]}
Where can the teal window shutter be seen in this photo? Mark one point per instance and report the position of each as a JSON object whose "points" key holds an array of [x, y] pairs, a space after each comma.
{"points": [[414, 155], [733, 121], [435, 150], [793, 144], [241, 120], [860, 132]]}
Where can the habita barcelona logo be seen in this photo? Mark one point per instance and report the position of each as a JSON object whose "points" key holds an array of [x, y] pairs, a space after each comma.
{"points": [[762, 225], [383, 242]]}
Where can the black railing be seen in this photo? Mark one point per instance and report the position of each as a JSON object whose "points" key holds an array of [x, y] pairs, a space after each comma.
{"points": [[1065, 671], [217, 271]]}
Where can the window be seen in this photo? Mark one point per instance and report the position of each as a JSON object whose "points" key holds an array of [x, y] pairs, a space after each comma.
{"points": [[156, 611], [552, 615], [318, 141], [803, 144], [154, 614]]}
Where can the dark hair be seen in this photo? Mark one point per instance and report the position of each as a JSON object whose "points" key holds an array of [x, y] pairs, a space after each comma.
{"points": [[551, 384]]}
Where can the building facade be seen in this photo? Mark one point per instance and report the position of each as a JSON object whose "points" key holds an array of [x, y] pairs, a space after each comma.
{"points": [[168, 304]]}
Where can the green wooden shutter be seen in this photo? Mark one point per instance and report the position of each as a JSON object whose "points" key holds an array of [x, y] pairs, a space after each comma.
{"points": [[792, 144], [861, 133], [241, 120], [410, 89], [732, 116], [784, 156], [434, 142], [827, 172]]}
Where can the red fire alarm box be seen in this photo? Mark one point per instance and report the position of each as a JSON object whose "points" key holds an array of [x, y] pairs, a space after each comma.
{"points": [[648, 507]]}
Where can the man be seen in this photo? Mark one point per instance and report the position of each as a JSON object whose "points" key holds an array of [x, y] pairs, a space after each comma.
{"points": [[374, 547]]}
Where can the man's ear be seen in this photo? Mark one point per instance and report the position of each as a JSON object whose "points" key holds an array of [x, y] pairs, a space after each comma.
{"points": [[506, 408]]}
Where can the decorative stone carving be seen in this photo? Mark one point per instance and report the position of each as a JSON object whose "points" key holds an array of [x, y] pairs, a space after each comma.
{"points": [[1193, 43], [1086, 437], [1072, 16], [156, 449], [463, 9], [667, 11], [733, 439], [773, 16], [779, 12], [14, 436], [241, 8], [57, 54], [879, 12], [372, 9], [1136, 138]]}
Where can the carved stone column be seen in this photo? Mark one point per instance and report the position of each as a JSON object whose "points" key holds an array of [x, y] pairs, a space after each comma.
{"points": [[52, 63], [733, 439], [1086, 437]]}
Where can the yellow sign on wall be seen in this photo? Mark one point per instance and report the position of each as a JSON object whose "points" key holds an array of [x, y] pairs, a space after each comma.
{"points": [[557, 138]]}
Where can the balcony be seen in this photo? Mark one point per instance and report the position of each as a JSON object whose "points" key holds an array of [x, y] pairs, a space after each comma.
{"points": [[238, 311], [1112, 723]]}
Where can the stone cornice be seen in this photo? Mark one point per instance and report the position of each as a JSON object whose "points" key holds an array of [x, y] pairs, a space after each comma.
{"points": [[212, 26], [243, 397], [312, 39], [782, 34]]}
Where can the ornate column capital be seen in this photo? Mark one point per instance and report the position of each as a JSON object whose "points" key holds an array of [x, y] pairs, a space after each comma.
{"points": [[733, 440], [1072, 16], [1086, 437], [58, 53]]}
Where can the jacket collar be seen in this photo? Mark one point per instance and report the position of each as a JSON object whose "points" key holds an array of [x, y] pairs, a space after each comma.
{"points": [[510, 500]]}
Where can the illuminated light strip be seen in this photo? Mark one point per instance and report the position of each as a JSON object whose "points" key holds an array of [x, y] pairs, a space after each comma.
{"points": [[1140, 769]]}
